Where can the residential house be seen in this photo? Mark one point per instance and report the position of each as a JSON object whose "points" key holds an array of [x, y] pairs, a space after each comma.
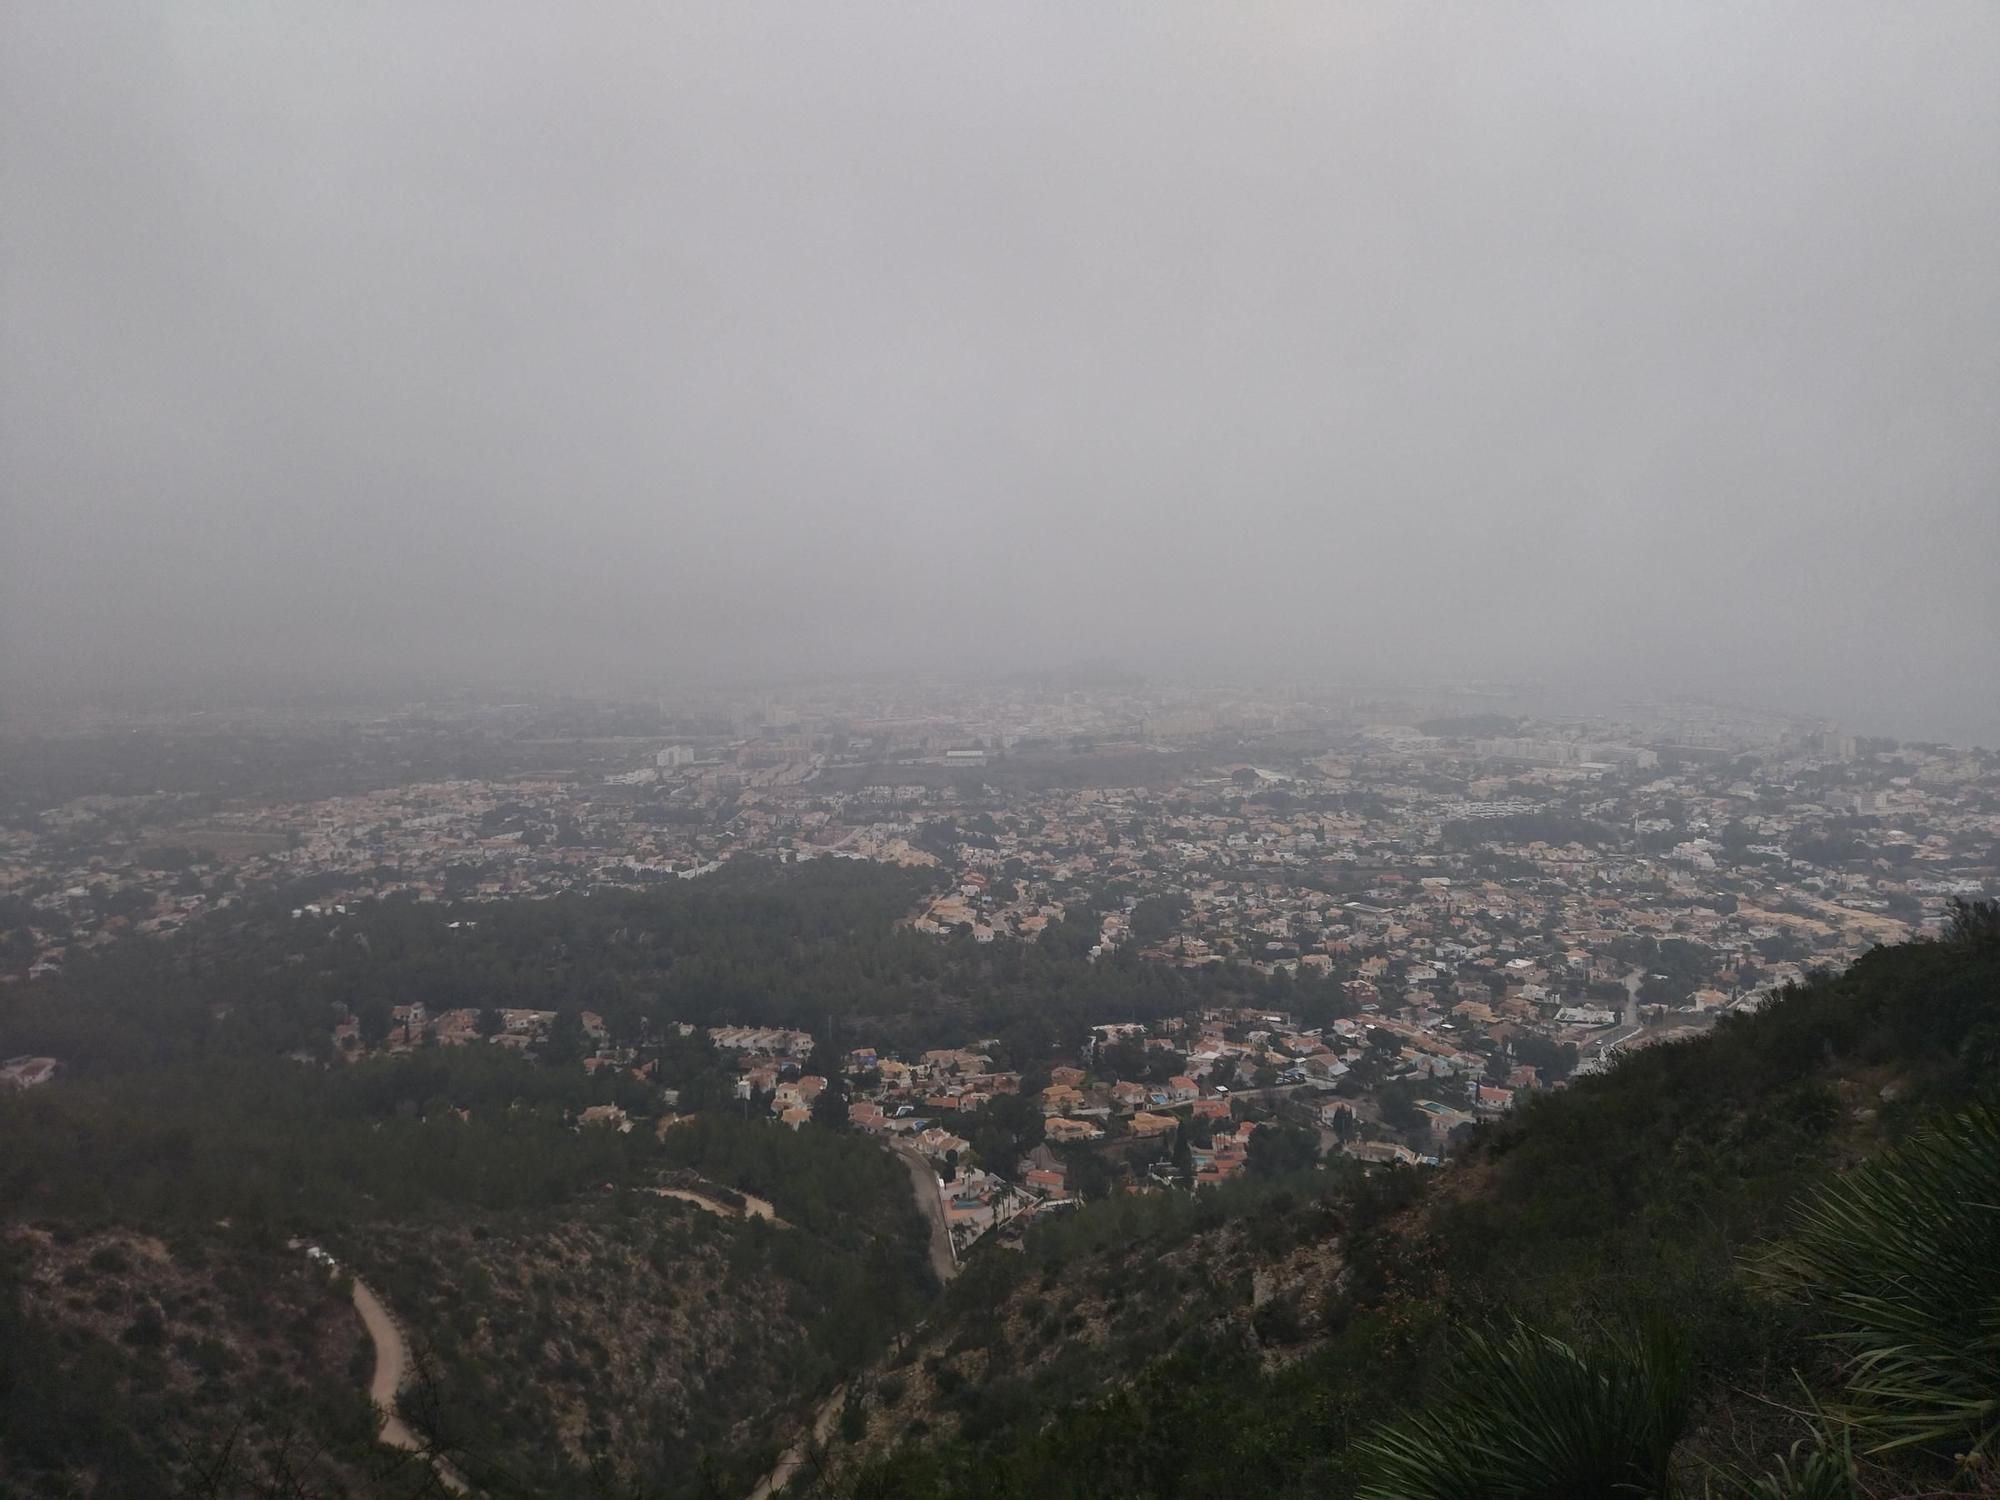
{"points": [[1059, 1097], [1056, 1128]]}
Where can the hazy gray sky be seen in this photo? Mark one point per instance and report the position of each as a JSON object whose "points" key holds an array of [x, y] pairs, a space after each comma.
{"points": [[1657, 341]]}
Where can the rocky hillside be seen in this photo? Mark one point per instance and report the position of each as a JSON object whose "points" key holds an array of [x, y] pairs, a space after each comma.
{"points": [[647, 1346], [197, 1365], [619, 1342], [1255, 1267]]}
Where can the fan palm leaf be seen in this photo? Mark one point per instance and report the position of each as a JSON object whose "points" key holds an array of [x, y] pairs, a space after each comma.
{"points": [[1904, 1253], [1528, 1417]]}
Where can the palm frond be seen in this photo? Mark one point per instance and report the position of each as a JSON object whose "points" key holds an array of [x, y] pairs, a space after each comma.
{"points": [[1526, 1415], [1904, 1253]]}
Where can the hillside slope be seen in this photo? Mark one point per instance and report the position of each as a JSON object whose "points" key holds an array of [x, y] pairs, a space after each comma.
{"points": [[1245, 1344], [206, 1364]]}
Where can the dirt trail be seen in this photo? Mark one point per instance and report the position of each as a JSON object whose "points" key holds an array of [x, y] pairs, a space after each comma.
{"points": [[924, 1184], [753, 1206], [392, 1368], [794, 1458]]}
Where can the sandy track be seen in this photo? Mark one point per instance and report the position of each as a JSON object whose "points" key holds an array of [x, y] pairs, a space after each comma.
{"points": [[392, 1369], [753, 1206]]}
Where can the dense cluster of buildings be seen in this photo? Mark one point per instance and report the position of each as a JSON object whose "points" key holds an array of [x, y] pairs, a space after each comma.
{"points": [[1480, 902]]}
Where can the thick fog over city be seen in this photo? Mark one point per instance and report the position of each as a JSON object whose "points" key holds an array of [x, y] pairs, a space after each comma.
{"points": [[1633, 346], [850, 751]]}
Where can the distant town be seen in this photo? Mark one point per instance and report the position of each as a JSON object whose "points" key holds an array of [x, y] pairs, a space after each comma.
{"points": [[1502, 900]]}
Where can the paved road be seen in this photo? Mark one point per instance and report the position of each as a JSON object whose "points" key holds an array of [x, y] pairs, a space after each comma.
{"points": [[924, 1184], [1609, 1044]]}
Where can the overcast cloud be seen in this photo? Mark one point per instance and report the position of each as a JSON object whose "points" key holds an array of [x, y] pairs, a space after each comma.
{"points": [[1655, 343]]}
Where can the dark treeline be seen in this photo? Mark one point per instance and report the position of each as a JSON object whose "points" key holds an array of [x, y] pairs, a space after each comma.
{"points": [[284, 1144], [815, 946], [199, 1076]]}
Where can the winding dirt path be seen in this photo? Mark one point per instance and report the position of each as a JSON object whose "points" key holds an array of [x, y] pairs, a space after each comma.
{"points": [[392, 1369], [794, 1458]]}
